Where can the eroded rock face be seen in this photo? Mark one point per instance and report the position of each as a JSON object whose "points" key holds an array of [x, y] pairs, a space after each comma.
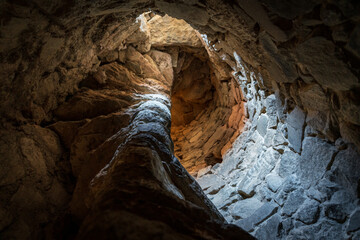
{"points": [[114, 136], [75, 78]]}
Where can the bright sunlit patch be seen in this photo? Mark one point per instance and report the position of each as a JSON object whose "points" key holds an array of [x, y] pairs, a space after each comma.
{"points": [[239, 68], [205, 38], [141, 19]]}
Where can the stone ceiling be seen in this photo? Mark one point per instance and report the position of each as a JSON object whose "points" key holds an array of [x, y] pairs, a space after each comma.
{"points": [[85, 113]]}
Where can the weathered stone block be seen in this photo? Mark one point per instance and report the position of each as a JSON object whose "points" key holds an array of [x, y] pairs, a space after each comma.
{"points": [[269, 229], [346, 168], [308, 212], [293, 202], [210, 181], [245, 208], [258, 216], [289, 162], [314, 160], [295, 124], [273, 181]]}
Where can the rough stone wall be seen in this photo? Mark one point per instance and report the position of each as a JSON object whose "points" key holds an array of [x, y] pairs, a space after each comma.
{"points": [[207, 113], [282, 179], [128, 182], [308, 51], [113, 135], [35, 181], [48, 49]]}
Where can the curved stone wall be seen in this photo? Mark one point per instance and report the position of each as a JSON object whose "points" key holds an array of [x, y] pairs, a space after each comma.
{"points": [[281, 179], [71, 77]]}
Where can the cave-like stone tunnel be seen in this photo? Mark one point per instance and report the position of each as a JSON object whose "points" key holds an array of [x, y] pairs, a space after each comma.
{"points": [[159, 119]]}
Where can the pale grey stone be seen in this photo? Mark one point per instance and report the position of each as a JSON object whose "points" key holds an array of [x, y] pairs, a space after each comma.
{"points": [[268, 160], [308, 212], [291, 183], [215, 188], [255, 137], [328, 230], [270, 104], [309, 131], [235, 177], [314, 160], [215, 167], [280, 107], [226, 196], [293, 202], [346, 168], [246, 187], [204, 171], [287, 225], [315, 194], [295, 123], [269, 229], [271, 110], [270, 135], [273, 181], [262, 124], [323, 230], [266, 193], [342, 196], [252, 152], [327, 187], [289, 162], [258, 216], [227, 216], [210, 180], [256, 174], [280, 197], [279, 138], [229, 164], [244, 208], [257, 105], [272, 121], [250, 106]]}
